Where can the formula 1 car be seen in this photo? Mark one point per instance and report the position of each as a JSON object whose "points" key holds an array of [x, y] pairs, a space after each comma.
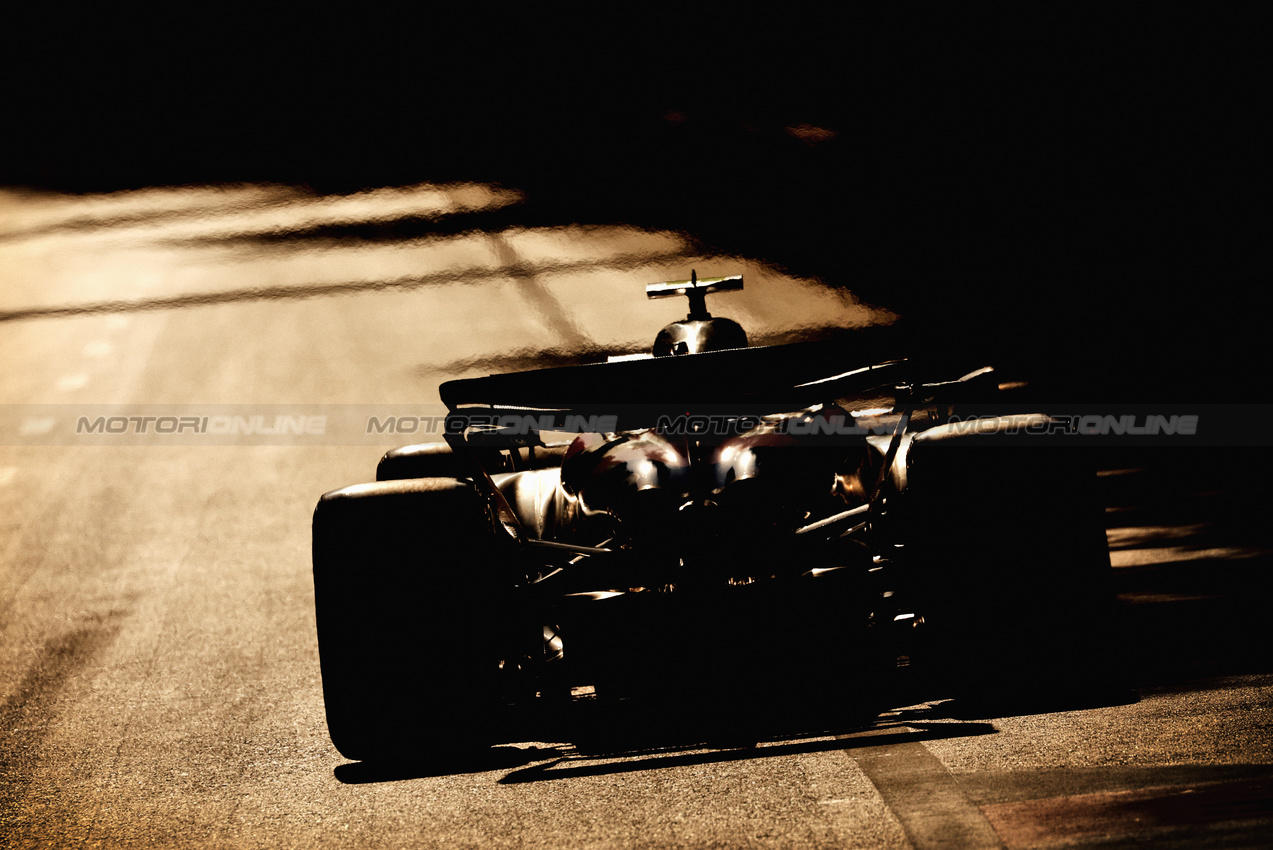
{"points": [[739, 541]]}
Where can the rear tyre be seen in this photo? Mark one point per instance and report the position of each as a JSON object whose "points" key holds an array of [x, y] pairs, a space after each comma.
{"points": [[412, 619], [1016, 572]]}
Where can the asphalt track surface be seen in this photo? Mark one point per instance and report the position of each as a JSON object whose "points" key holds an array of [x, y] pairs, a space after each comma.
{"points": [[159, 681]]}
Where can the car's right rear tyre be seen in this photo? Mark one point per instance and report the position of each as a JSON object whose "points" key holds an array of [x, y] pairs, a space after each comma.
{"points": [[1010, 548]]}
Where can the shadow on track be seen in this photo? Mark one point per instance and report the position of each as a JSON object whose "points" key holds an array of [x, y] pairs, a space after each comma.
{"points": [[496, 758], [1192, 551], [580, 764], [604, 749]]}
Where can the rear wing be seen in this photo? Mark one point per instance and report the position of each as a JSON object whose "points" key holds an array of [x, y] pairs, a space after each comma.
{"points": [[627, 395]]}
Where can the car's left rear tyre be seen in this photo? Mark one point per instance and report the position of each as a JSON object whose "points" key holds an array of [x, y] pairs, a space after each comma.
{"points": [[412, 616]]}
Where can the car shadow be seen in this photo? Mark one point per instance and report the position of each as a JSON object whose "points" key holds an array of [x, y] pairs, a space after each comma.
{"points": [[494, 758], [600, 748], [1026, 703], [594, 761]]}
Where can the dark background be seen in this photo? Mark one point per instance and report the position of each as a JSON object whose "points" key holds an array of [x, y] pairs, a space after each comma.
{"points": [[1072, 193]]}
